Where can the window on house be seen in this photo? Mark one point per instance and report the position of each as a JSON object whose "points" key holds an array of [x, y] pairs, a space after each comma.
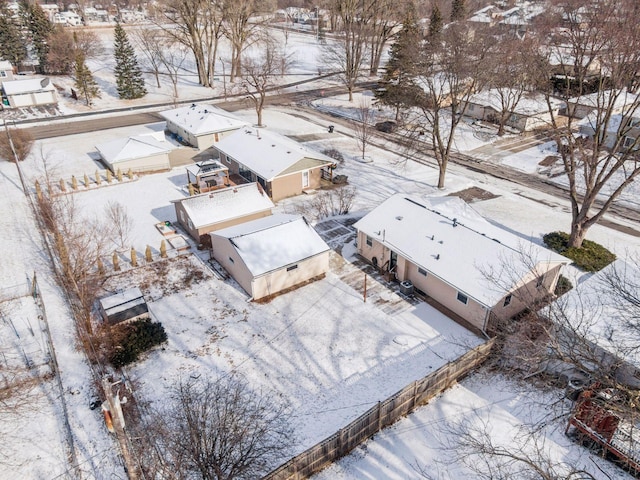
{"points": [[292, 267], [190, 224], [540, 281], [462, 298], [628, 142], [507, 300], [231, 260], [369, 241], [422, 271], [3, 73], [182, 216], [305, 179]]}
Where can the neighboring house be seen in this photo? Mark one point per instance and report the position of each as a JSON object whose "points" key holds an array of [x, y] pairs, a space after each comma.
{"points": [[600, 325], [28, 93], [141, 153], [124, 306], [580, 107], [282, 166], [207, 175], [530, 113], [6, 71], [272, 254], [201, 125], [444, 248], [50, 9], [619, 132], [207, 212], [70, 19]]}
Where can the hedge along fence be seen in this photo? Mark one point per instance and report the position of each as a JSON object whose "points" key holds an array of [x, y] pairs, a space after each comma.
{"points": [[380, 416]]}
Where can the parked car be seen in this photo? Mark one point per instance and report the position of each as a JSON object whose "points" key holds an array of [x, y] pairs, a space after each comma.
{"points": [[388, 126]]}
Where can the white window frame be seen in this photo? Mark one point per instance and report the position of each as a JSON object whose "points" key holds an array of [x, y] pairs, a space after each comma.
{"points": [[369, 241], [305, 179]]}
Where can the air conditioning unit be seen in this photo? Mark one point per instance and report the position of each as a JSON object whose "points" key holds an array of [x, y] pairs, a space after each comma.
{"points": [[406, 287]]}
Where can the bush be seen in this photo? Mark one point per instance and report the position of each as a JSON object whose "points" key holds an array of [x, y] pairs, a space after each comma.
{"points": [[563, 286], [335, 154], [132, 339], [590, 257]]}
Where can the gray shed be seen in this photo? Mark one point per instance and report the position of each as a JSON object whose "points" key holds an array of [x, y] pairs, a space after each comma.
{"points": [[124, 306]]}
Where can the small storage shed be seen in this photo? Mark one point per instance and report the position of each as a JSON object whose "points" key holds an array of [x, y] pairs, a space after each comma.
{"points": [[272, 254], [140, 153], [28, 93], [124, 306]]}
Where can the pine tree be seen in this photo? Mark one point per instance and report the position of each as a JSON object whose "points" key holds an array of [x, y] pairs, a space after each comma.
{"points": [[84, 82], [12, 46], [40, 29], [457, 10], [397, 88], [435, 22], [128, 75]]}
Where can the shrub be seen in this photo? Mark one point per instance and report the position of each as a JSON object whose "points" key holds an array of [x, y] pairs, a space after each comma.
{"points": [[132, 339], [563, 285], [590, 257], [335, 154]]}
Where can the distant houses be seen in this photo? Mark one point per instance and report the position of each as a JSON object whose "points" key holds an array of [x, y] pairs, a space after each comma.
{"points": [[201, 125], [444, 249], [271, 255]]}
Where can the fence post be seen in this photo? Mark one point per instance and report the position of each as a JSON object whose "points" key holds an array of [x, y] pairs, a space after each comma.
{"points": [[379, 416], [413, 398]]}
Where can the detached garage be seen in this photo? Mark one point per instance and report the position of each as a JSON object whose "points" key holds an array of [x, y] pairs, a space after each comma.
{"points": [[141, 153], [28, 93], [271, 254]]}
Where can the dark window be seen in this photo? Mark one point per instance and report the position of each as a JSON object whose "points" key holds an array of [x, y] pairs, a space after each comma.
{"points": [[231, 260], [540, 281], [292, 267], [369, 241], [507, 300], [462, 298], [422, 271]]}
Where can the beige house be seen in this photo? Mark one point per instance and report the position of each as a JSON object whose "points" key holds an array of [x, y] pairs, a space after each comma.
{"points": [[141, 153], [282, 166], [218, 209], [444, 248], [6, 71], [272, 254], [201, 125], [28, 93]]}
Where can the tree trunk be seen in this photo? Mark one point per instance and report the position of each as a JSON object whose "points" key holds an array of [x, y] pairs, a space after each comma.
{"points": [[578, 234], [442, 170]]}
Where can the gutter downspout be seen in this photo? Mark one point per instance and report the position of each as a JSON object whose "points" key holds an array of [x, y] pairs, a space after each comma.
{"points": [[486, 320]]}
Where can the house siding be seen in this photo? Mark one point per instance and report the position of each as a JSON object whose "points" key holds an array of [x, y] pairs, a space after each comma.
{"points": [[150, 163], [201, 142], [222, 250], [281, 279]]}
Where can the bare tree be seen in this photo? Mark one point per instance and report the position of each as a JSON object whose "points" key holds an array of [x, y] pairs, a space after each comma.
{"points": [[89, 43], [197, 24], [221, 430], [150, 41], [242, 23], [386, 18], [120, 223], [593, 51], [260, 73], [363, 124], [173, 56]]}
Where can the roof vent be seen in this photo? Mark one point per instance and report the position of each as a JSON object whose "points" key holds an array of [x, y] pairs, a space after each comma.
{"points": [[455, 222], [438, 257], [399, 217], [273, 144], [440, 242]]}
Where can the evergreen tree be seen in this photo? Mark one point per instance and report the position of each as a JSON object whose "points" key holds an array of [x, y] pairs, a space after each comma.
{"points": [[12, 46], [397, 87], [435, 22], [40, 29], [457, 10], [83, 81], [128, 75]]}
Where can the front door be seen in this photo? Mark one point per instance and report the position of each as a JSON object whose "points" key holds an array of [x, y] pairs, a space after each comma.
{"points": [[393, 261]]}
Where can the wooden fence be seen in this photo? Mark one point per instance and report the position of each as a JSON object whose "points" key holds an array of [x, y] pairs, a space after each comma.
{"points": [[380, 416]]}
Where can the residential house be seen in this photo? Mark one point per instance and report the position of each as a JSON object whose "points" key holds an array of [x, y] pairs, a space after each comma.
{"points": [[445, 249], [201, 125], [28, 93], [127, 305], [580, 107], [272, 254], [618, 132], [598, 323], [6, 71], [140, 153], [530, 112], [282, 166], [218, 209]]}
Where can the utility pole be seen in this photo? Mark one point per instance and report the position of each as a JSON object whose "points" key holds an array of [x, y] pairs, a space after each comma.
{"points": [[113, 401], [15, 155]]}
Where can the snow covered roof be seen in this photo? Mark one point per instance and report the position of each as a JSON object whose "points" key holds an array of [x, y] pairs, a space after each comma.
{"points": [[203, 119], [225, 204], [139, 146], [268, 154], [271, 243], [207, 167], [5, 65], [122, 301], [449, 239], [601, 99], [16, 87], [529, 104], [597, 313]]}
